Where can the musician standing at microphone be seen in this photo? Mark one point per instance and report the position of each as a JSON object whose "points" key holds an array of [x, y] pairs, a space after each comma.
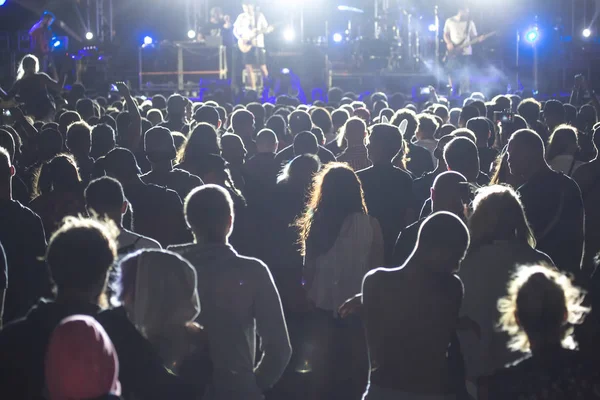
{"points": [[40, 36], [458, 32], [249, 27]]}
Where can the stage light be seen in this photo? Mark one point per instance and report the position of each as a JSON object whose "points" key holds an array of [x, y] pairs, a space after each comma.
{"points": [[587, 32], [148, 40], [432, 28], [191, 34], [532, 35], [89, 36], [337, 37], [57, 43], [289, 35], [285, 71], [2, 2]]}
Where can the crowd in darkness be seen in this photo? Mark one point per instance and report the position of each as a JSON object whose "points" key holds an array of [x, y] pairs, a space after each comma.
{"points": [[352, 248]]}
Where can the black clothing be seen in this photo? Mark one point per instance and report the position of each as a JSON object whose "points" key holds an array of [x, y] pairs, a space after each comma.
{"points": [[554, 208], [85, 165], [388, 194], [174, 125], [422, 188], [260, 177], [3, 269], [487, 156], [23, 346], [24, 241], [256, 56], [406, 243], [32, 91], [176, 179], [419, 160], [287, 154]]}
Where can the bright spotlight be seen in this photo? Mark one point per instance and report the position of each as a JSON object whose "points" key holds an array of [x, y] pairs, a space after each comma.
{"points": [[148, 40], [289, 35], [2, 2], [57, 43], [191, 34], [89, 36], [337, 37], [285, 71], [587, 32], [432, 28], [532, 35]]}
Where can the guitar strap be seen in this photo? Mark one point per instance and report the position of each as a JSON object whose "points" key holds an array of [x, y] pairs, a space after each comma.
{"points": [[467, 29]]}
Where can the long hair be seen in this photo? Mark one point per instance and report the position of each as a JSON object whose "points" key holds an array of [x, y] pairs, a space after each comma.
{"points": [[563, 137], [498, 214], [60, 173], [28, 65], [336, 193], [203, 140], [542, 304]]}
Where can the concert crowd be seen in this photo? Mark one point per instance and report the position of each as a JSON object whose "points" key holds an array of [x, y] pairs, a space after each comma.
{"points": [[352, 248]]}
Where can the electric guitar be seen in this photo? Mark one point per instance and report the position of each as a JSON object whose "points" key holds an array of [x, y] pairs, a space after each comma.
{"points": [[459, 47], [246, 44]]}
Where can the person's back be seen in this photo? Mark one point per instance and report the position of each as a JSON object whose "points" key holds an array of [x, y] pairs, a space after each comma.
{"points": [[177, 179]]}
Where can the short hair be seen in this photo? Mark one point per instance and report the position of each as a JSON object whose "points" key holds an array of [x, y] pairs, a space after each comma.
{"points": [[441, 111], [305, 143], [266, 137], [445, 234], [79, 137], [103, 140], [467, 113], [411, 117], [387, 136], [460, 154], [299, 121], [104, 196], [480, 106], [321, 118], [530, 109], [208, 209], [554, 108], [8, 143], [241, 119], [120, 163], [339, 117], [81, 252], [530, 140], [258, 111], [428, 125], [480, 127], [465, 133], [66, 119], [85, 107], [207, 114], [5, 165]]}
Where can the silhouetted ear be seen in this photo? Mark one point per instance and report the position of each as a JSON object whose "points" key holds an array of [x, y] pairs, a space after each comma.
{"points": [[384, 120], [403, 126]]}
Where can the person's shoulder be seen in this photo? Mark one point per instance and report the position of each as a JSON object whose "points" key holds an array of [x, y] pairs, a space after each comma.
{"points": [[23, 211], [401, 174], [364, 172], [182, 248], [163, 192], [141, 241]]}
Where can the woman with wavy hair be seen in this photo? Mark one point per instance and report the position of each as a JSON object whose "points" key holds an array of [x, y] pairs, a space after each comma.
{"points": [[562, 150], [501, 239], [340, 244], [538, 313]]}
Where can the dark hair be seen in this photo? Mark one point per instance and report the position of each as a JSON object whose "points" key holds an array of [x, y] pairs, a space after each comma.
{"points": [[305, 143], [321, 118], [277, 124], [104, 196], [66, 119], [336, 194], [207, 114], [389, 138], [299, 121], [103, 140], [8, 143], [240, 119], [561, 139], [467, 113], [85, 107], [339, 117], [79, 138], [207, 212], [461, 155], [50, 143], [428, 125], [258, 111], [58, 174], [480, 106], [203, 140], [554, 108], [530, 109], [480, 127], [121, 164], [413, 123]]}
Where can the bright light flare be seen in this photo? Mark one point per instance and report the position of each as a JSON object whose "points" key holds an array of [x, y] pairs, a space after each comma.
{"points": [[148, 40], [2, 2], [289, 35], [89, 36], [432, 28], [191, 34], [586, 33], [337, 37], [532, 35]]}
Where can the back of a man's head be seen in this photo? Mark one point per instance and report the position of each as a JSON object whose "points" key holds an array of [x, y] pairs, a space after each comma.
{"points": [[8, 143], [529, 143], [209, 213], [66, 119], [85, 107], [80, 254], [530, 110], [103, 140], [305, 143], [481, 129], [208, 114], [159, 144], [242, 122], [299, 121], [266, 141], [449, 191], [428, 125], [355, 131], [79, 138], [258, 111], [461, 155], [120, 163], [6, 170], [105, 196], [443, 240], [385, 142], [554, 112], [412, 120], [466, 114]]}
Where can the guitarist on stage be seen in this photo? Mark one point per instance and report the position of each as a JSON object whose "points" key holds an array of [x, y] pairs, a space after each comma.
{"points": [[40, 36], [249, 27], [458, 32]]}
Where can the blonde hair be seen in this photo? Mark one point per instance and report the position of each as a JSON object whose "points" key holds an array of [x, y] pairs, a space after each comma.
{"points": [[28, 63], [541, 301], [498, 214]]}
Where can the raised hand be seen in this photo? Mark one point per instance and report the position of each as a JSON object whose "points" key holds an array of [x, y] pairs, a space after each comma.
{"points": [[123, 89]]}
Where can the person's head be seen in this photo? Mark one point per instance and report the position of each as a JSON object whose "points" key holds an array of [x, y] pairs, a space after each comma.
{"points": [[29, 65], [159, 146], [563, 141], [120, 163], [480, 127], [66, 119], [526, 153], [570, 113], [48, 18], [463, 11], [461, 155], [442, 241], [277, 124], [334, 95], [530, 110], [159, 101], [445, 130], [59, 174], [336, 193], [300, 171], [321, 118], [586, 118], [8, 143], [338, 118], [299, 121], [7, 171], [498, 215], [85, 108], [481, 107], [540, 309], [105, 197], [363, 113], [258, 111], [466, 114], [176, 107], [103, 140], [554, 113], [158, 290], [450, 192], [428, 125], [79, 255], [305, 143], [413, 122], [79, 138], [81, 361], [209, 214], [441, 111], [208, 114], [355, 132], [50, 143], [234, 151], [155, 116], [203, 140], [266, 141], [384, 143]]}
